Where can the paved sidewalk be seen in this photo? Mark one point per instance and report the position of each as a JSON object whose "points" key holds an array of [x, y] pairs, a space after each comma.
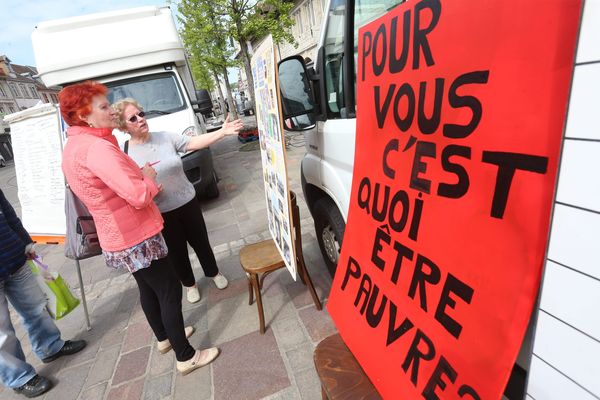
{"points": [[121, 361]]}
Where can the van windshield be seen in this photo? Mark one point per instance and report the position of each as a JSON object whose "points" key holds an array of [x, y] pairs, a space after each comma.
{"points": [[158, 94]]}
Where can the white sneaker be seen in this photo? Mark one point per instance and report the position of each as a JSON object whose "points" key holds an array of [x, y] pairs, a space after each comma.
{"points": [[193, 294], [200, 359], [164, 346], [220, 281]]}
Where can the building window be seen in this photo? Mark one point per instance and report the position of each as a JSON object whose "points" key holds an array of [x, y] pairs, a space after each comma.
{"points": [[11, 109], [311, 13], [2, 92], [33, 91], [54, 98], [14, 89]]}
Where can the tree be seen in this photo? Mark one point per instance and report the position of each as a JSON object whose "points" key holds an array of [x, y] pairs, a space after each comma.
{"points": [[204, 34], [254, 20], [209, 23]]}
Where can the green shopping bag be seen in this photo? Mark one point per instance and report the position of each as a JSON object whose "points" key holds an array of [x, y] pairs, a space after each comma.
{"points": [[59, 297]]}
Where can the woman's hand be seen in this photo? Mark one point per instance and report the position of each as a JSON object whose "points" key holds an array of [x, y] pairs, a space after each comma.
{"points": [[148, 171], [231, 127]]}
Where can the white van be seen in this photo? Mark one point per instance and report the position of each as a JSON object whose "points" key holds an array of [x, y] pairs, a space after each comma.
{"points": [[328, 109], [135, 53]]}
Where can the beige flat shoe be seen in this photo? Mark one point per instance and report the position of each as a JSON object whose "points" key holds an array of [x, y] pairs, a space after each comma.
{"points": [[200, 359], [165, 346], [193, 294]]}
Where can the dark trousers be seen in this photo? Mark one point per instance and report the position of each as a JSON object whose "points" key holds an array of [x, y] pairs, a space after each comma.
{"points": [[160, 296], [186, 225]]}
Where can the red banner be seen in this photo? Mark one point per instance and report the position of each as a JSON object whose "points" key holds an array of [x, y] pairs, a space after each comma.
{"points": [[461, 107]]}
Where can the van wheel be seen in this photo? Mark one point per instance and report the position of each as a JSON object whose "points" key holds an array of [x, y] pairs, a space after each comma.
{"points": [[212, 190], [330, 227]]}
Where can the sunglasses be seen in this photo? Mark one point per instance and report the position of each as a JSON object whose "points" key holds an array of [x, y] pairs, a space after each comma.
{"points": [[134, 118]]}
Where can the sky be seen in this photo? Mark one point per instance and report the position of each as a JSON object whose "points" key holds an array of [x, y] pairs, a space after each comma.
{"points": [[18, 19]]}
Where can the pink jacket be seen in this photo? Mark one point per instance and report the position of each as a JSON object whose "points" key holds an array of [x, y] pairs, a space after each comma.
{"points": [[112, 187]]}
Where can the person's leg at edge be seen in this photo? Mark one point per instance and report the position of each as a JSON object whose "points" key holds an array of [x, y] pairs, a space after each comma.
{"points": [[25, 295], [164, 305], [14, 370]]}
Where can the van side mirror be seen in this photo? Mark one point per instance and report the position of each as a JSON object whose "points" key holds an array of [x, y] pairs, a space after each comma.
{"points": [[296, 95]]}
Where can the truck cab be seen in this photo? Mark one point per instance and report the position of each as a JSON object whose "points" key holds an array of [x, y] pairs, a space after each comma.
{"points": [[153, 71], [321, 102]]}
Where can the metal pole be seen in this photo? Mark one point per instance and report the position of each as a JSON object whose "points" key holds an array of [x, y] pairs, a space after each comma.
{"points": [[85, 309]]}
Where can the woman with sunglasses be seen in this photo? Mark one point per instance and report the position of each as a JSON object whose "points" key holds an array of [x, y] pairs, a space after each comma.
{"points": [[177, 202], [118, 194]]}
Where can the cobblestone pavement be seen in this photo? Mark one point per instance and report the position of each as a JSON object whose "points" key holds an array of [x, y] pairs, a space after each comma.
{"points": [[121, 360]]}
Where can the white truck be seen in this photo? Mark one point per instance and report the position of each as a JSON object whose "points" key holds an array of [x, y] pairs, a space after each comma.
{"points": [[135, 53], [330, 114]]}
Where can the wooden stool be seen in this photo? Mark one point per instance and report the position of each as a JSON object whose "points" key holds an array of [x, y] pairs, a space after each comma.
{"points": [[340, 374], [264, 258]]}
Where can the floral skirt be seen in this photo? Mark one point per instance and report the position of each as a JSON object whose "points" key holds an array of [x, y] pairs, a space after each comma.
{"points": [[139, 256]]}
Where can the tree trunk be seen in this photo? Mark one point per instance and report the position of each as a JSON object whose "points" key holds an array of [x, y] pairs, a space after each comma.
{"points": [[221, 98], [230, 100]]}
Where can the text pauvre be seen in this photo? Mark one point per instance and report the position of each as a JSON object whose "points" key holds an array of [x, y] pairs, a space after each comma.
{"points": [[460, 113]]}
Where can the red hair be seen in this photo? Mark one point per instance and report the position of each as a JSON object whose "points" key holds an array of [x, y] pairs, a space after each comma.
{"points": [[76, 101]]}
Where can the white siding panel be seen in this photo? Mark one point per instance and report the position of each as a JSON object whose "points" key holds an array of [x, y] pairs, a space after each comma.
{"points": [[589, 40], [549, 384], [573, 298], [580, 162], [569, 351], [575, 239], [583, 118]]}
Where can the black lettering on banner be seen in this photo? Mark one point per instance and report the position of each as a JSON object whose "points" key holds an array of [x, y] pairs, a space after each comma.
{"points": [[380, 212], [430, 125], [366, 284], [352, 270], [463, 291], [436, 380], [415, 222], [402, 252], [420, 42], [401, 197], [378, 67], [391, 146], [507, 164], [380, 235], [469, 391], [367, 47], [420, 277], [405, 91], [456, 101], [382, 110], [397, 64], [460, 188], [415, 354], [365, 183], [423, 149], [393, 332], [374, 317]]}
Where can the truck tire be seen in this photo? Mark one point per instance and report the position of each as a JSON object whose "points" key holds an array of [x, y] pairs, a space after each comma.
{"points": [[329, 227], [212, 190]]}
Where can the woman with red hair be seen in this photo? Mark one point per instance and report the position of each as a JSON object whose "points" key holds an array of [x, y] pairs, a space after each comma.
{"points": [[119, 196]]}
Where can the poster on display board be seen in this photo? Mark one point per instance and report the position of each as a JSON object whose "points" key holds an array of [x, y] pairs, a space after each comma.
{"points": [[37, 136], [459, 127], [272, 149]]}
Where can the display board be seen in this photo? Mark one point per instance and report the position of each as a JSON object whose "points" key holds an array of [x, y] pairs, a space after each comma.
{"points": [[37, 137], [272, 149], [460, 114]]}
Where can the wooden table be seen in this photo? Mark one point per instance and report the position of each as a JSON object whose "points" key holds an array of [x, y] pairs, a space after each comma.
{"points": [[340, 374]]}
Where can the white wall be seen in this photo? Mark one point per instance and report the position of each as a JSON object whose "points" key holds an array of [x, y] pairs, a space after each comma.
{"points": [[566, 351]]}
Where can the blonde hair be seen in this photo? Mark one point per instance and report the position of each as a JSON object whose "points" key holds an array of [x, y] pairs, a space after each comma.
{"points": [[119, 108]]}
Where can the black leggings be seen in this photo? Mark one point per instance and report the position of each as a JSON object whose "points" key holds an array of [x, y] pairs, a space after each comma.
{"points": [[186, 225], [160, 296]]}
